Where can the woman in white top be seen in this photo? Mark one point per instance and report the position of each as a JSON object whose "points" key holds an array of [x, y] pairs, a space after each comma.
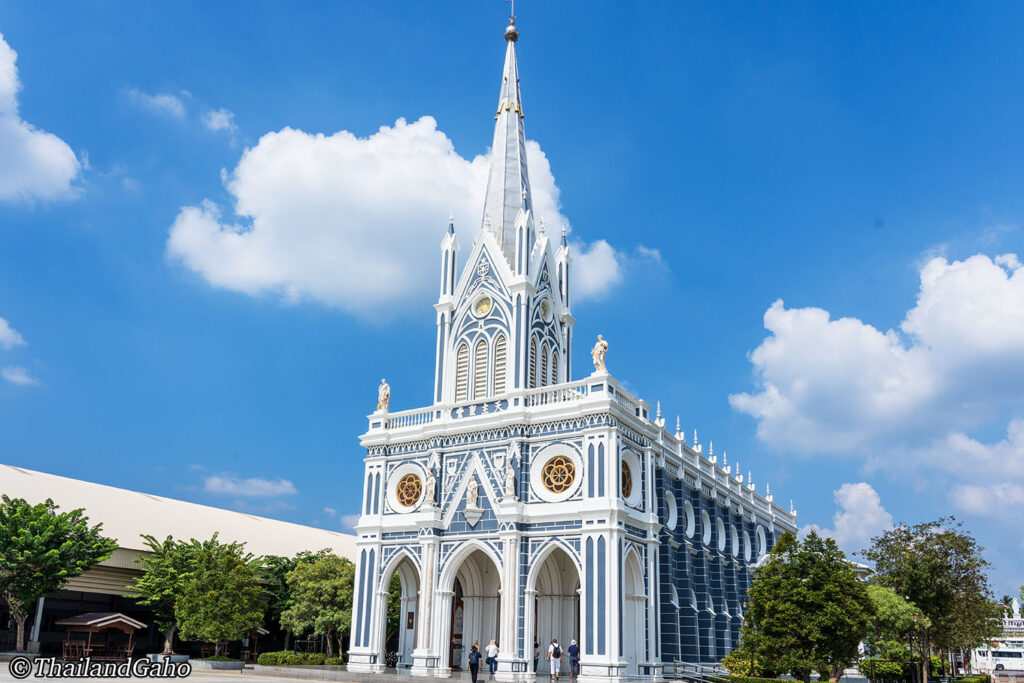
{"points": [[492, 656]]}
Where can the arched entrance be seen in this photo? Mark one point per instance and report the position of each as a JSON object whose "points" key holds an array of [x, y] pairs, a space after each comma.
{"points": [[553, 585], [398, 625], [634, 606], [475, 606]]}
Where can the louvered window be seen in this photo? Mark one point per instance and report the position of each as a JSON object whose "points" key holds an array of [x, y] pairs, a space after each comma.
{"points": [[532, 379], [542, 379], [500, 363], [554, 366], [480, 370], [461, 373]]}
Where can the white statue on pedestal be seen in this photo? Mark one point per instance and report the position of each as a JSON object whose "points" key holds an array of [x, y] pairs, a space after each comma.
{"points": [[1015, 606], [428, 496], [510, 480], [472, 493], [383, 396], [598, 353]]}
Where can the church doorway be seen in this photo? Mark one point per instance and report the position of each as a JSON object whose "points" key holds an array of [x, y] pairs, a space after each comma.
{"points": [[475, 607], [634, 603], [399, 638], [554, 584]]}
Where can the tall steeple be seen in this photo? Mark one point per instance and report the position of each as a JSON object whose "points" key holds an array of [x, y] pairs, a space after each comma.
{"points": [[508, 206]]}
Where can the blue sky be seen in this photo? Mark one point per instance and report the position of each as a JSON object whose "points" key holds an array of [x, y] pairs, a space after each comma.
{"points": [[859, 162]]}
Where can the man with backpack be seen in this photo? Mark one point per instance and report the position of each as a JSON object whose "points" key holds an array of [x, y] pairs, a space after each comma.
{"points": [[474, 660], [554, 658]]}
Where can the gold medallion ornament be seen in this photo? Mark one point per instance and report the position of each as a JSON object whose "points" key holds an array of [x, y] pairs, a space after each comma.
{"points": [[483, 306], [627, 480], [408, 490], [558, 474]]}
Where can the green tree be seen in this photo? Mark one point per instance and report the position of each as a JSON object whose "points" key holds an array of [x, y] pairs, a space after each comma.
{"points": [[273, 574], [165, 569], [939, 567], [808, 612], [894, 626], [221, 597], [41, 549], [321, 589]]}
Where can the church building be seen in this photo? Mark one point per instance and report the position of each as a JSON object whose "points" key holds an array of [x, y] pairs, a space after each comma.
{"points": [[526, 505]]}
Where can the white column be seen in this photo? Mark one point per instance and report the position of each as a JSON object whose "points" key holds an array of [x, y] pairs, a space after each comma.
{"points": [[426, 655]]}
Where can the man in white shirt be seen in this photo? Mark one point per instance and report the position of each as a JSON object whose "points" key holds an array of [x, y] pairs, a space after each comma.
{"points": [[554, 658]]}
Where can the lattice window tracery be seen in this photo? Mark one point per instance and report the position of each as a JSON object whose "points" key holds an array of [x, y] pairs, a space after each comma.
{"points": [[408, 490], [627, 480], [558, 474]]}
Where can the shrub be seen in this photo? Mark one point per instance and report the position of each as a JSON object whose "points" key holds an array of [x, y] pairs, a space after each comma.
{"points": [[334, 661], [751, 679], [976, 678], [314, 658], [291, 659], [272, 658], [876, 668]]}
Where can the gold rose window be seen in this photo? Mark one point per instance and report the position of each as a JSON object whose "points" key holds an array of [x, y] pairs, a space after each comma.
{"points": [[627, 480], [408, 490], [558, 474]]}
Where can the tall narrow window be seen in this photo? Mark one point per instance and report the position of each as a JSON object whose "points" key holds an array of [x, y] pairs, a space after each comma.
{"points": [[542, 378], [480, 370], [500, 363], [554, 366], [532, 379], [462, 373]]}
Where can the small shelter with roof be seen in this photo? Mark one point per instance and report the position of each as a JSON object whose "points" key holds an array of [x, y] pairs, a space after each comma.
{"points": [[81, 629]]}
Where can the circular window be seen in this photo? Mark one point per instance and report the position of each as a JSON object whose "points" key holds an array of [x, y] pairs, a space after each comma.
{"points": [[558, 474], [545, 309], [691, 522], [627, 480], [670, 510], [720, 527], [408, 490], [705, 527], [482, 306], [762, 542], [734, 537], [746, 546]]}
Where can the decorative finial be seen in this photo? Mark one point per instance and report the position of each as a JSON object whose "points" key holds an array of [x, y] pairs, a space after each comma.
{"points": [[725, 460], [711, 448], [694, 437], [677, 426], [767, 489], [511, 32], [487, 220], [750, 478], [563, 235], [658, 412], [542, 231], [451, 222], [792, 510]]}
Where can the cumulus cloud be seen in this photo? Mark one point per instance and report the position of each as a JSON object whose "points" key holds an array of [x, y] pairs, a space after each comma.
{"points": [[34, 164], [253, 487], [164, 104], [994, 500], [843, 386], [219, 120], [858, 518], [351, 222], [348, 522], [15, 374], [9, 337]]}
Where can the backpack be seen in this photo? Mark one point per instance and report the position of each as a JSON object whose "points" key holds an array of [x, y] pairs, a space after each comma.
{"points": [[557, 652]]}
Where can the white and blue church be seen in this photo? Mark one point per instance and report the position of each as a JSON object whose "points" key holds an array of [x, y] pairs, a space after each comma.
{"points": [[525, 505]]}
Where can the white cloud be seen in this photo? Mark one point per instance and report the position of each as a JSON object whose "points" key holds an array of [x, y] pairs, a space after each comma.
{"points": [[330, 512], [598, 268], [994, 500], [843, 386], [348, 522], [219, 120], [858, 518], [15, 374], [9, 337], [352, 222], [34, 164], [252, 487], [161, 103]]}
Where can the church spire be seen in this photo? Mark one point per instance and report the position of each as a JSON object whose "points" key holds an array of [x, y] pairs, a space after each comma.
{"points": [[508, 206]]}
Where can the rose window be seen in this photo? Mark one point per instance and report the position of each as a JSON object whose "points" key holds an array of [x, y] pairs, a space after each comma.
{"points": [[627, 480], [408, 490], [558, 474]]}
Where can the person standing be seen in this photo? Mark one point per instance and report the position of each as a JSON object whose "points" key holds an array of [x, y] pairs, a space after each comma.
{"points": [[474, 661], [554, 658], [574, 659], [492, 656], [536, 655]]}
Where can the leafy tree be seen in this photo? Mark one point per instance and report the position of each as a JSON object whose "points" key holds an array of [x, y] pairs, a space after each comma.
{"points": [[895, 623], [321, 590], [879, 669], [221, 597], [394, 620], [938, 567], [165, 569], [273, 574], [808, 612], [743, 662], [41, 550]]}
